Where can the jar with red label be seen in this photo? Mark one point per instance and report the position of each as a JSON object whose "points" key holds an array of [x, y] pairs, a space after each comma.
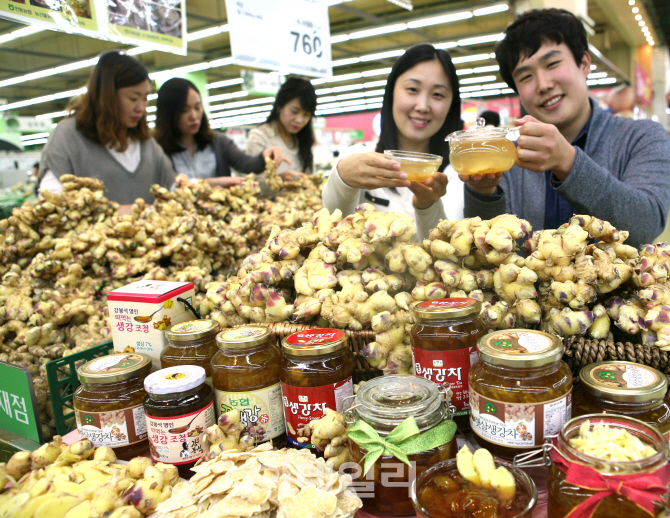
{"points": [[444, 346], [108, 403], [624, 388], [520, 391], [245, 372], [179, 407], [316, 373], [191, 343]]}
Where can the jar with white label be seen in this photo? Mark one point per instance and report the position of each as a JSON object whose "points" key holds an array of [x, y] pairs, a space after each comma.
{"points": [[108, 403], [444, 346], [520, 391], [179, 407], [245, 373], [316, 373], [191, 343], [624, 388]]}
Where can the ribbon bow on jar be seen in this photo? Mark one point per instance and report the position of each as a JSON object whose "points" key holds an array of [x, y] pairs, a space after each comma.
{"points": [[405, 439], [642, 489]]}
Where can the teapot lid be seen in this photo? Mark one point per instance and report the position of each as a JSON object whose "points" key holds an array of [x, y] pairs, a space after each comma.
{"points": [[481, 132]]}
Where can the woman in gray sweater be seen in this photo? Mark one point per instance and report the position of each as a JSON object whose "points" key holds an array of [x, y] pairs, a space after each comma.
{"points": [[107, 135], [182, 130]]}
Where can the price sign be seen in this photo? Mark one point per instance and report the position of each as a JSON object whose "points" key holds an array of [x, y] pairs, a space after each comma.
{"points": [[291, 36], [19, 413]]}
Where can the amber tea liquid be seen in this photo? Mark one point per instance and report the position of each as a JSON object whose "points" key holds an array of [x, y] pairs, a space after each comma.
{"points": [[418, 170], [482, 157]]}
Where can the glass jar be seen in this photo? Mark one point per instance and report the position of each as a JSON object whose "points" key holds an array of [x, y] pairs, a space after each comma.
{"points": [[108, 403], [564, 497], [316, 373], [179, 407], [384, 403], [624, 388], [520, 391], [245, 373], [444, 346], [191, 343]]}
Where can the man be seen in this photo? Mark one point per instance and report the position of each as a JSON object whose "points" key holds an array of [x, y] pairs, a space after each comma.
{"points": [[572, 158]]}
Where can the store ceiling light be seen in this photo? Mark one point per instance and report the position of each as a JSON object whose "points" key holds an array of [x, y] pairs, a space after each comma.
{"points": [[138, 50], [20, 33], [42, 99], [52, 115], [498, 8], [437, 20], [636, 10], [631, 2], [474, 57], [33, 136], [597, 75], [480, 79], [205, 33], [50, 72], [638, 16], [378, 31], [607, 81], [224, 97], [494, 85], [489, 38], [223, 84], [640, 23], [35, 142]]}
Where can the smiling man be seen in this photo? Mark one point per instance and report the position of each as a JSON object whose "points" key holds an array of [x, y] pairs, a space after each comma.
{"points": [[572, 158]]}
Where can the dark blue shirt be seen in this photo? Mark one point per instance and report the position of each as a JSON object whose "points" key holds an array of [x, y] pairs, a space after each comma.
{"points": [[556, 210]]}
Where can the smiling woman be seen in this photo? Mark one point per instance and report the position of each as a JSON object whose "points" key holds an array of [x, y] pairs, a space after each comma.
{"points": [[108, 128], [421, 107]]}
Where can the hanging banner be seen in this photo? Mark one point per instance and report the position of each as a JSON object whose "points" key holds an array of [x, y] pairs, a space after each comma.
{"points": [[74, 16], [160, 24], [298, 32]]}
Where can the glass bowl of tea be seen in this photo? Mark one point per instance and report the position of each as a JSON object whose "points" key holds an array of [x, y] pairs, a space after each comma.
{"points": [[483, 150], [418, 166], [442, 492]]}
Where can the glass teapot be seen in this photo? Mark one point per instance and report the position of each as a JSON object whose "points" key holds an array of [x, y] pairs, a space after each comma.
{"points": [[482, 150]]}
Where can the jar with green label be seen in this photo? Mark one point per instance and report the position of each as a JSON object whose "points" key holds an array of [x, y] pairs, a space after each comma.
{"points": [[245, 373], [520, 391], [178, 408], [191, 343], [108, 404], [624, 388]]}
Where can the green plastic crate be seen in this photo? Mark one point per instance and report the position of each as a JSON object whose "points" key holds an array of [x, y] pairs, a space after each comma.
{"points": [[63, 382]]}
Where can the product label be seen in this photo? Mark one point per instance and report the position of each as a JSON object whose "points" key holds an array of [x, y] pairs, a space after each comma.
{"points": [[321, 335], [176, 440], [451, 367], [518, 425], [115, 363], [192, 326], [623, 376], [519, 342], [243, 333], [261, 411], [114, 428], [305, 404], [448, 303]]}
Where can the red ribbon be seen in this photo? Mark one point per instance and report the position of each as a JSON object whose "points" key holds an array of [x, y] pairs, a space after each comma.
{"points": [[641, 489]]}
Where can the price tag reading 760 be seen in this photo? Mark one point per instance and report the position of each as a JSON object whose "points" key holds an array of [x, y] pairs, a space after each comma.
{"points": [[308, 44]]}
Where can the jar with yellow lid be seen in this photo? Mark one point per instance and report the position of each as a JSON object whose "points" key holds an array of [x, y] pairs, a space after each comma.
{"points": [[316, 373], [444, 346], [245, 373], [108, 405], [191, 343], [520, 391], [624, 388]]}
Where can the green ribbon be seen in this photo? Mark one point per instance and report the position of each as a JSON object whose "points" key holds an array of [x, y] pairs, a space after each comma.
{"points": [[405, 439]]}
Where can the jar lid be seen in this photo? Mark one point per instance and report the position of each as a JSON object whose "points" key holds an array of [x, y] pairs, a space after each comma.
{"points": [[192, 330], [175, 379], [519, 348], [627, 382], [481, 132], [243, 337], [446, 308], [386, 401], [114, 367], [315, 342]]}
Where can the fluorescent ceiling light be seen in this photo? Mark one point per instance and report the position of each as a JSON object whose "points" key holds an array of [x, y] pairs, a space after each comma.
{"points": [[212, 31], [138, 50], [474, 57], [597, 75], [52, 115], [464, 71], [591, 82], [480, 79], [641, 23], [481, 39], [492, 68], [42, 99], [152, 97], [151, 118], [223, 84], [34, 142], [49, 72], [343, 97], [593, 67], [20, 33], [499, 8], [482, 94], [378, 31], [223, 97], [636, 10], [34, 136], [369, 57], [339, 38], [638, 17], [494, 85], [343, 62], [240, 104], [436, 20], [446, 45], [474, 88], [607, 81]]}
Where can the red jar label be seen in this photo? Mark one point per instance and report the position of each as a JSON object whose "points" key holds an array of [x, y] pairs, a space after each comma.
{"points": [[451, 367], [305, 404], [448, 303], [321, 335]]}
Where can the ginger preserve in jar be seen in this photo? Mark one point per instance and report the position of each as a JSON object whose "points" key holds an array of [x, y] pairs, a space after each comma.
{"points": [[624, 388], [179, 407], [520, 391], [316, 373], [384, 403], [108, 403], [245, 373], [191, 343], [444, 346]]}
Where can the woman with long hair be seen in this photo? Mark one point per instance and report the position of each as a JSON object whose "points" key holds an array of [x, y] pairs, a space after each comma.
{"points": [[183, 131], [107, 136], [421, 106], [289, 126]]}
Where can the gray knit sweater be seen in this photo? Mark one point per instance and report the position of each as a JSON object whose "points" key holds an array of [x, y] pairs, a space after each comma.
{"points": [[622, 176], [69, 152]]}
